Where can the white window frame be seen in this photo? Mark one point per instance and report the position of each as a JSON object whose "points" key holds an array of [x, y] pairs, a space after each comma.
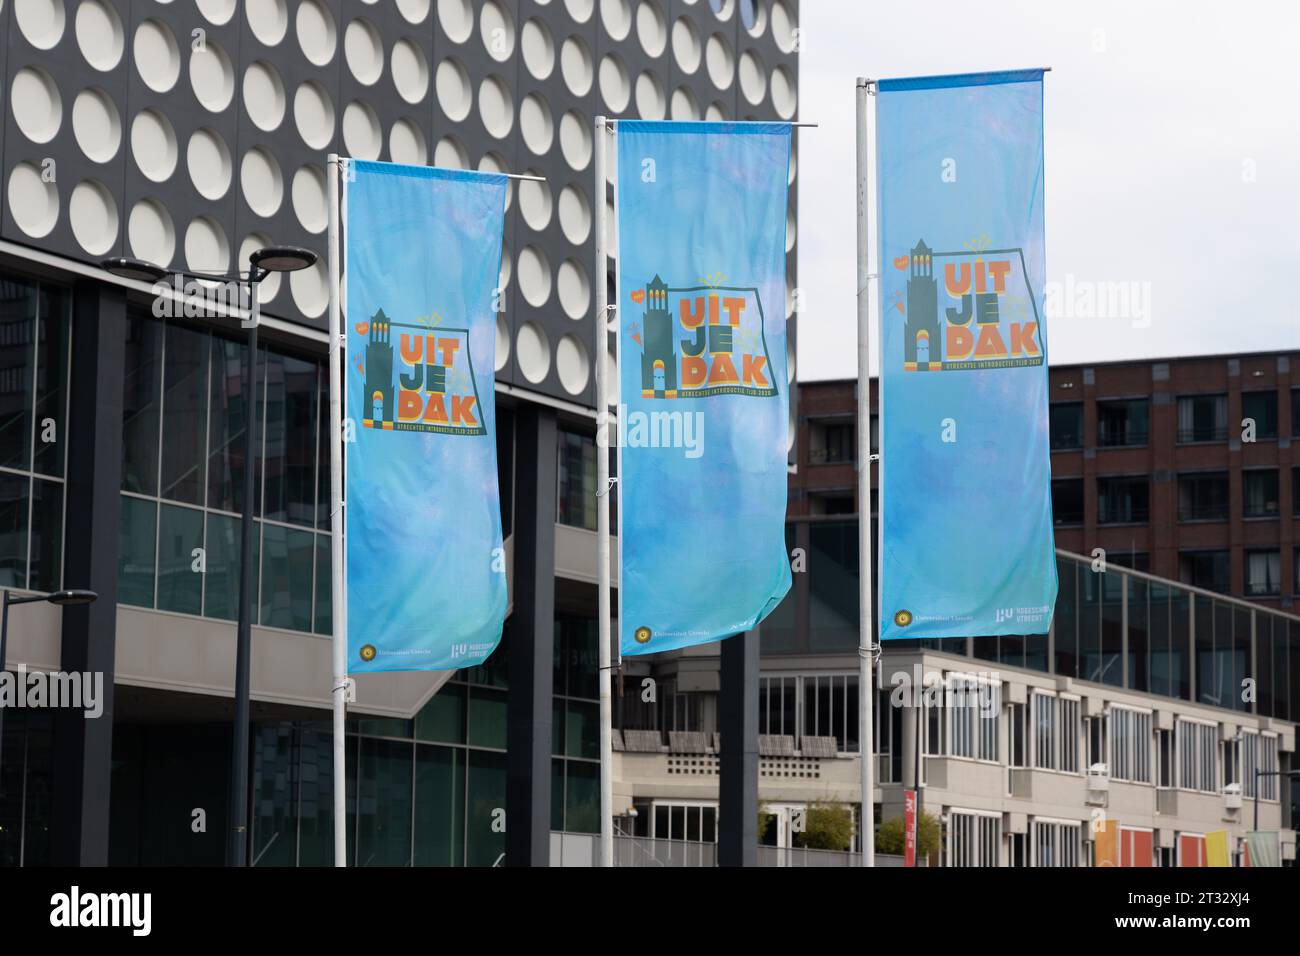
{"points": [[974, 838], [1130, 735], [1197, 747], [1064, 844]]}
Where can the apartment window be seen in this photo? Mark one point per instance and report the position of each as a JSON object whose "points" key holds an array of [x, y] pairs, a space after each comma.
{"points": [[973, 708], [1260, 493], [973, 838], [1133, 560], [1295, 563], [1065, 425], [1067, 500], [1295, 412], [832, 443], [576, 485], [1130, 744], [1203, 496], [1122, 423], [1165, 758], [1257, 752], [691, 823], [1018, 849], [1198, 747], [1260, 408], [1295, 491], [830, 709], [840, 441], [1123, 500], [1018, 715], [1263, 573], [1045, 731], [1069, 730], [1057, 843], [1204, 569], [1202, 418], [1094, 733], [1056, 732]]}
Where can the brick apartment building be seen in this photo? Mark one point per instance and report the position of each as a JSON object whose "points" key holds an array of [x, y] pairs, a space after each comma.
{"points": [[1187, 468]]}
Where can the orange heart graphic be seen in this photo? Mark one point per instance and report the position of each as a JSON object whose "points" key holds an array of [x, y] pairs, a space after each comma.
{"points": [[901, 262], [363, 328], [638, 296]]}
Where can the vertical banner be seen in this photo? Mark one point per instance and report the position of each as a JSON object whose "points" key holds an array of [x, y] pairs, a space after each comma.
{"points": [[909, 828], [704, 414], [966, 510], [426, 582]]}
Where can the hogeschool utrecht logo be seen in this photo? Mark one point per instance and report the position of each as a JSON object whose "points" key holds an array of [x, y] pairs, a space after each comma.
{"points": [[426, 384], [979, 312], [702, 340]]}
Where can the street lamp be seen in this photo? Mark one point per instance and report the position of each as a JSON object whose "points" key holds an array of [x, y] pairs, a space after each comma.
{"points": [[58, 599], [1268, 773], [262, 262]]}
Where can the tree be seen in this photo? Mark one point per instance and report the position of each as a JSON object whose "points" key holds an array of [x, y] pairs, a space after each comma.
{"points": [[891, 839], [827, 826]]}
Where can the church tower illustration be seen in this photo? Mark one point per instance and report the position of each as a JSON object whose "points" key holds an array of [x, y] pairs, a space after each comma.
{"points": [[379, 410], [922, 344], [659, 358]]}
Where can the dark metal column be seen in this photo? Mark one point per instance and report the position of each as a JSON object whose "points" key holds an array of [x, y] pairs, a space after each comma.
{"points": [[738, 763], [532, 640], [83, 749]]}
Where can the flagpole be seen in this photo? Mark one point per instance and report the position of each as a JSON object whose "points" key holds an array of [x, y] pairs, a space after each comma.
{"points": [[866, 692], [338, 639], [602, 508]]}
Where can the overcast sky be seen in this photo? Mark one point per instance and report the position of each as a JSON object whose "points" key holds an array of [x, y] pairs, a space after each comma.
{"points": [[1172, 161]]}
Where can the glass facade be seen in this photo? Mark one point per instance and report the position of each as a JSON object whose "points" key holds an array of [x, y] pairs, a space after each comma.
{"points": [[1110, 627], [184, 425], [429, 791], [35, 350]]}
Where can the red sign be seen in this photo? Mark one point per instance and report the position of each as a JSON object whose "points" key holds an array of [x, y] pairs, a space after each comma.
{"points": [[909, 828]]}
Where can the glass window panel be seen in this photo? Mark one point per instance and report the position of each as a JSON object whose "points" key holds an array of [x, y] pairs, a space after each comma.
{"points": [[221, 582], [324, 586], [315, 796], [833, 592], [1239, 659], [577, 480], [13, 530], [288, 569], [137, 538], [46, 565], [184, 409], [383, 806], [443, 718], [582, 797], [180, 531], [487, 718], [1162, 665], [1064, 621], [439, 773], [51, 380], [290, 446], [323, 450], [487, 795], [140, 405], [17, 308], [227, 416], [582, 730], [275, 822]]}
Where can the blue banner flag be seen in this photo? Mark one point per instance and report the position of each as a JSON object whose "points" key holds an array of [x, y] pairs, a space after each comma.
{"points": [[966, 545], [704, 414], [426, 583]]}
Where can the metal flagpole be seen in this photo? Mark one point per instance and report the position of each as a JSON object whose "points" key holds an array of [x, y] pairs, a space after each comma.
{"points": [[602, 508], [338, 593], [866, 692]]}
